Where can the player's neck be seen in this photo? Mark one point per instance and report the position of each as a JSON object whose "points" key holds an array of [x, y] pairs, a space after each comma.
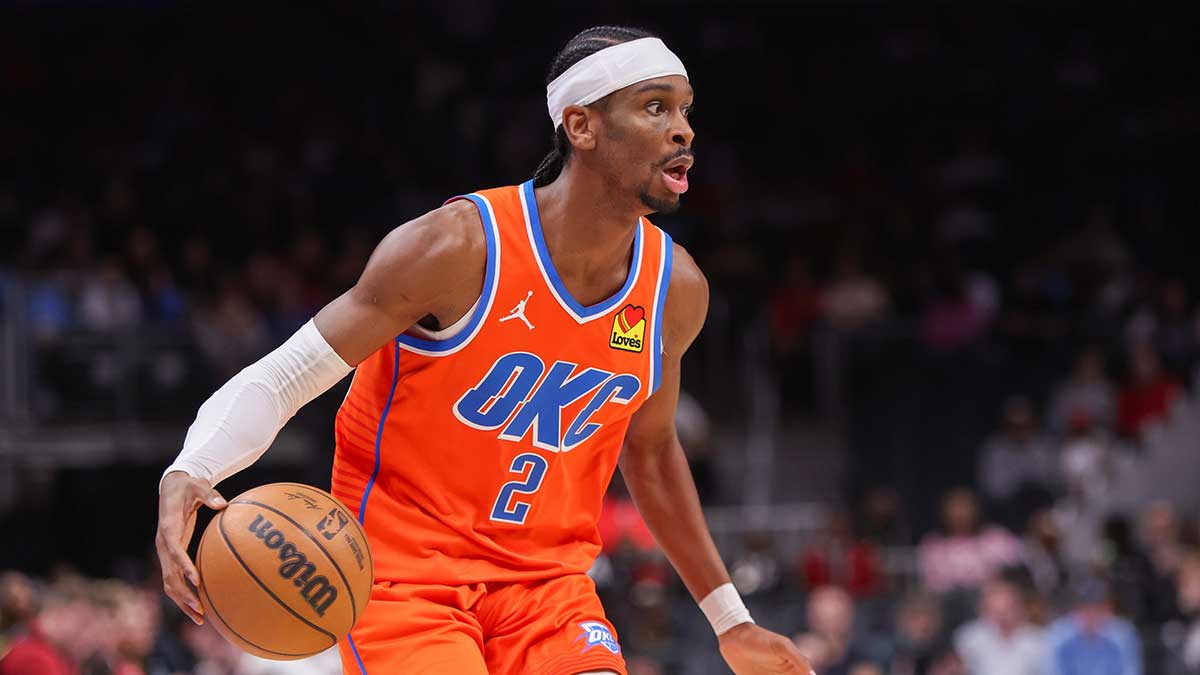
{"points": [[586, 232]]}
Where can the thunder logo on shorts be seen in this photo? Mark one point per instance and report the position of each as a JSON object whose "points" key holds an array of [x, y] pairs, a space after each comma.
{"points": [[596, 633]]}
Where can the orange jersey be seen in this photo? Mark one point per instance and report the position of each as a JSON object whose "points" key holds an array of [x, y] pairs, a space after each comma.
{"points": [[484, 456]]}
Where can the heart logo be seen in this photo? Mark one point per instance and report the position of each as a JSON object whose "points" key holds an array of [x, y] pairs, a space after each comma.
{"points": [[629, 317]]}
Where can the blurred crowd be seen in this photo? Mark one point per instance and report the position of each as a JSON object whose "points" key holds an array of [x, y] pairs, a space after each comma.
{"points": [[976, 597], [981, 600], [956, 174], [73, 626], [956, 228]]}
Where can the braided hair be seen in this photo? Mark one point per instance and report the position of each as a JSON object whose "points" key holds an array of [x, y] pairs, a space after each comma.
{"points": [[579, 47]]}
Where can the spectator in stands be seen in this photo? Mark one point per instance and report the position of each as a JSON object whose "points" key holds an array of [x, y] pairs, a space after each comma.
{"points": [[855, 299], [17, 606], [48, 308], [1043, 558], [51, 642], [231, 330], [1175, 332], [1001, 641], [793, 306], [108, 302], [1094, 467], [1182, 637], [966, 553], [1018, 466], [1137, 590], [757, 569], [956, 317], [1166, 323], [131, 617], [1161, 538], [214, 654], [169, 653], [881, 521], [1087, 393], [1148, 395], [836, 557], [695, 435], [921, 646], [830, 642], [1092, 639]]}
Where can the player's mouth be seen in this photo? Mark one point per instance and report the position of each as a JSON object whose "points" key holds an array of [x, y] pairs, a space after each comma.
{"points": [[675, 174]]}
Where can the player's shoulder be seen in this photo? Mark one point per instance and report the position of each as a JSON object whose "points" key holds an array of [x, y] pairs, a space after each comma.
{"points": [[456, 225], [687, 281], [687, 300], [420, 259], [451, 233]]}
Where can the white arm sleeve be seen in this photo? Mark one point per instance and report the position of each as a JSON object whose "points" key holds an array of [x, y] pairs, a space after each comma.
{"points": [[237, 424]]}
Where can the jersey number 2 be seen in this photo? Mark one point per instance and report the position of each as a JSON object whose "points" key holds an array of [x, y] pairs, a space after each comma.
{"points": [[508, 509]]}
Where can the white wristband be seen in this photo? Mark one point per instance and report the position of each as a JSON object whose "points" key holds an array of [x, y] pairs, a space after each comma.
{"points": [[724, 608]]}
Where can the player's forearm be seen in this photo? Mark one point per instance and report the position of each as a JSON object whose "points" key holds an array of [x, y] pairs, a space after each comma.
{"points": [[237, 424], [665, 494]]}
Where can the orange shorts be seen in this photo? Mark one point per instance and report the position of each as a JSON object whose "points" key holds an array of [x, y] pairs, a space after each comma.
{"points": [[551, 627]]}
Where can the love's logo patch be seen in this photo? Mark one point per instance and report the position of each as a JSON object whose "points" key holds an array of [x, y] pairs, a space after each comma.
{"points": [[629, 329]]}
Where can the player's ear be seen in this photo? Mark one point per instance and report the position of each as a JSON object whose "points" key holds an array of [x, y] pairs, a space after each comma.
{"points": [[580, 126]]}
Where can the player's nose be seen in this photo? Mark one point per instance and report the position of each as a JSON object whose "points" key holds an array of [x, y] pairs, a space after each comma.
{"points": [[681, 130]]}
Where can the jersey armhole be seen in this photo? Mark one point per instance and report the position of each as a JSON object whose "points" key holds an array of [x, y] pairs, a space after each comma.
{"points": [[661, 286], [459, 335]]}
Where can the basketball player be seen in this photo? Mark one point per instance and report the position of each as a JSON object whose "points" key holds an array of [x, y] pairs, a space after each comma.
{"points": [[475, 449]]}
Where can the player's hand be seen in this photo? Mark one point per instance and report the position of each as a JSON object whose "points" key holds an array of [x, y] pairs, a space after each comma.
{"points": [[753, 650], [178, 500]]}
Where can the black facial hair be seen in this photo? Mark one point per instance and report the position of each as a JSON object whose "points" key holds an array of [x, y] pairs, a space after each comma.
{"points": [[659, 205]]}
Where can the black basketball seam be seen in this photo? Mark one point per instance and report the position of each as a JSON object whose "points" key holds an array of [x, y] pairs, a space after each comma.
{"points": [[221, 529], [341, 504], [345, 581], [213, 606]]}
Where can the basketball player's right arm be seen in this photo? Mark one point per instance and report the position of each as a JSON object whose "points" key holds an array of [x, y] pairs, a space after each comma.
{"points": [[431, 265]]}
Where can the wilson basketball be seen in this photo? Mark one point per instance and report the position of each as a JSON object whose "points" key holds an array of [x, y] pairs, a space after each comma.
{"points": [[285, 571]]}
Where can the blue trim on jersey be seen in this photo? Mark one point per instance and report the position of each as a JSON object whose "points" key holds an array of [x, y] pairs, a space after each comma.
{"points": [[663, 285], [543, 253], [489, 286], [354, 648], [362, 507]]}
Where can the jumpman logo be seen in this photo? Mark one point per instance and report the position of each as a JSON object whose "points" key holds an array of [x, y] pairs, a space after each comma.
{"points": [[518, 312]]}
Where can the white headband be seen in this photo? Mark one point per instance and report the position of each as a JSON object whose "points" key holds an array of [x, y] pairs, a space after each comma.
{"points": [[608, 70]]}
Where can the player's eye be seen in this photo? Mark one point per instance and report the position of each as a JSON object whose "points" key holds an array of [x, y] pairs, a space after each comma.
{"points": [[654, 107], [687, 110]]}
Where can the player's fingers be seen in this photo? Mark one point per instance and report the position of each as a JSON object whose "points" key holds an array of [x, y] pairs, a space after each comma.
{"points": [[172, 540], [182, 595], [185, 599], [189, 527], [213, 500], [182, 561], [173, 571]]}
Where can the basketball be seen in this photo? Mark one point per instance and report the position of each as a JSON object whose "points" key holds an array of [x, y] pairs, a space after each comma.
{"points": [[285, 571]]}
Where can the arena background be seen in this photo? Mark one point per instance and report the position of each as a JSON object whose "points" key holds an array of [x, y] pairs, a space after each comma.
{"points": [[951, 346]]}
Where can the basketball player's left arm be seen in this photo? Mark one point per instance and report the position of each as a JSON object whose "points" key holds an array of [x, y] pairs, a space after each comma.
{"points": [[656, 471]]}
